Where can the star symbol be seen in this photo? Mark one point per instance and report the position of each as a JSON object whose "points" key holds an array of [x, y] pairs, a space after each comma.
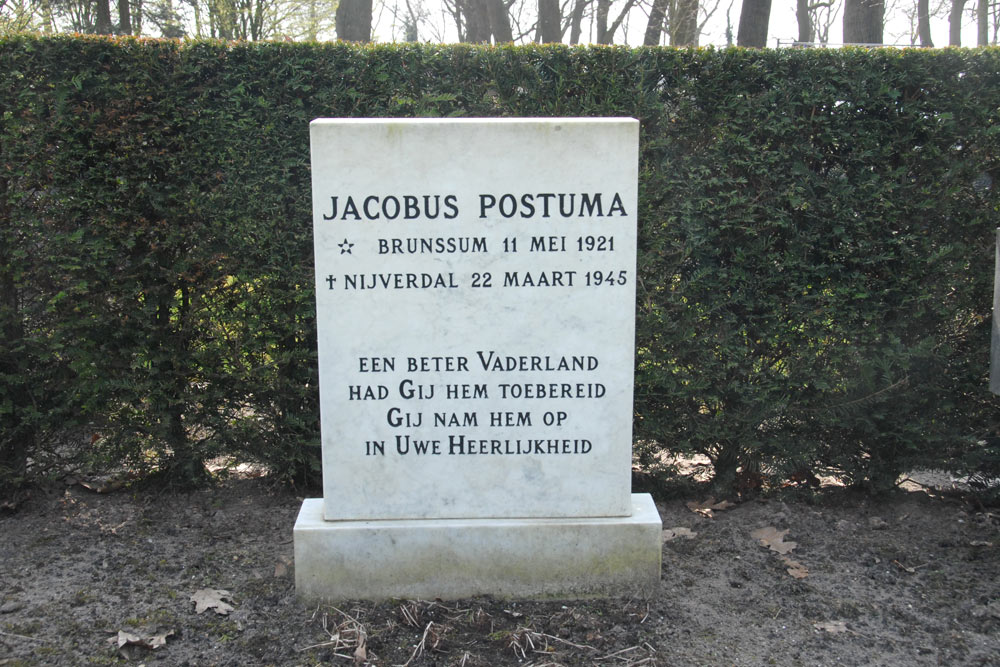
{"points": [[345, 247]]}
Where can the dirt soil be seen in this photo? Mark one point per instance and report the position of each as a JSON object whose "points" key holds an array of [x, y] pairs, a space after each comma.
{"points": [[910, 579]]}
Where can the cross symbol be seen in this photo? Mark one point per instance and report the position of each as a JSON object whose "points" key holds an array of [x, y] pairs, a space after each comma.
{"points": [[330, 279]]}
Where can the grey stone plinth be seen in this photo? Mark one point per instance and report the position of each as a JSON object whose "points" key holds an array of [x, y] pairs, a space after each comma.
{"points": [[454, 558]]}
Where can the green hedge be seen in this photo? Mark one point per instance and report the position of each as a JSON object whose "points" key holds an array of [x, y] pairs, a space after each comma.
{"points": [[816, 244]]}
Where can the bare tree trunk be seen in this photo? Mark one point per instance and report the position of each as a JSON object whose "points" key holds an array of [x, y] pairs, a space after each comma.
{"points": [[220, 21], [411, 24], [821, 23], [354, 20], [124, 18], [103, 21], [683, 25], [549, 21], [605, 32], [863, 21], [654, 29], [185, 466], [729, 25], [499, 20], [454, 7], [477, 21], [576, 21], [603, 6], [983, 22], [754, 19], [955, 23], [804, 20], [924, 23], [137, 18]]}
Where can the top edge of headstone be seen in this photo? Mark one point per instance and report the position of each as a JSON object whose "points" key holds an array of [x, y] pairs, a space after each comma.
{"points": [[475, 121]]}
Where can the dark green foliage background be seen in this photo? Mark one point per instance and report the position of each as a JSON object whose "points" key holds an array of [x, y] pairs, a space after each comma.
{"points": [[815, 265]]}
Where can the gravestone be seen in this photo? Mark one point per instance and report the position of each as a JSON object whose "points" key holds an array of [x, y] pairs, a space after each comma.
{"points": [[475, 297]]}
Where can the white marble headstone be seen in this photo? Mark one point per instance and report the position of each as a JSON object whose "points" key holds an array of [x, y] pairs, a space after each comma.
{"points": [[475, 291]]}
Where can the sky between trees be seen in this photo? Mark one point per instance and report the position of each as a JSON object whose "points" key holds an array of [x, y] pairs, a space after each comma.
{"points": [[634, 22]]}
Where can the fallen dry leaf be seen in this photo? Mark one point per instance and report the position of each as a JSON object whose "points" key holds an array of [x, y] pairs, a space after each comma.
{"points": [[708, 506], [980, 543], [773, 539], [156, 641], [211, 598], [674, 533], [795, 568], [360, 653], [128, 639], [102, 484], [128, 642], [833, 627], [281, 567]]}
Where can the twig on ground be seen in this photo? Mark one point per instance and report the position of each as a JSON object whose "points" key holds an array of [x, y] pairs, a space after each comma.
{"points": [[334, 642], [456, 610], [409, 612], [524, 639], [350, 634], [346, 615], [569, 643], [617, 654], [418, 650]]}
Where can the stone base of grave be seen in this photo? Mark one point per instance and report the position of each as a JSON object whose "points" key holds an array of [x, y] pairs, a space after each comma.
{"points": [[456, 558]]}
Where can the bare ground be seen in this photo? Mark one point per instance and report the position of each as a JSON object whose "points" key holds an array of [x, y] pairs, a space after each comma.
{"points": [[910, 579]]}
